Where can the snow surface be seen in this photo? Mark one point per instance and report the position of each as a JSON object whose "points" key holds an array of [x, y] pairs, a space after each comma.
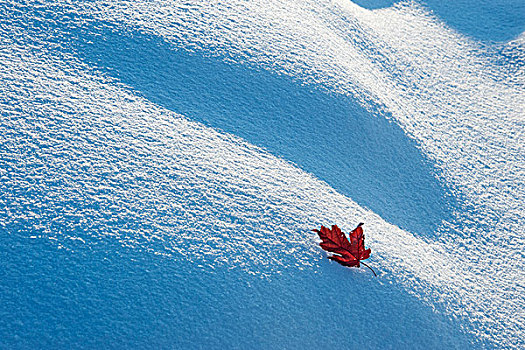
{"points": [[163, 163]]}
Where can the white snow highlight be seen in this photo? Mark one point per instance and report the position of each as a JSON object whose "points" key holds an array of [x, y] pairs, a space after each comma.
{"points": [[443, 89]]}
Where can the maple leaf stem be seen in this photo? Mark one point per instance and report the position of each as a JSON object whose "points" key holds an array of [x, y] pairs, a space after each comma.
{"points": [[369, 268]]}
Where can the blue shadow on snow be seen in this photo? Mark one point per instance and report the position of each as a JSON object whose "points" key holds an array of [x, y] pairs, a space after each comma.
{"points": [[361, 155], [497, 20], [105, 296]]}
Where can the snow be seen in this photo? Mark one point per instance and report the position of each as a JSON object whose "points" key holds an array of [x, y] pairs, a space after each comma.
{"points": [[206, 139]]}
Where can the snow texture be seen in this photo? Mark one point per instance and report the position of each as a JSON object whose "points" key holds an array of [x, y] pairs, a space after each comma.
{"points": [[104, 142]]}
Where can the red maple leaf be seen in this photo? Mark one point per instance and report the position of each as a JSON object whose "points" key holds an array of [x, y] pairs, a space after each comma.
{"points": [[348, 253]]}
